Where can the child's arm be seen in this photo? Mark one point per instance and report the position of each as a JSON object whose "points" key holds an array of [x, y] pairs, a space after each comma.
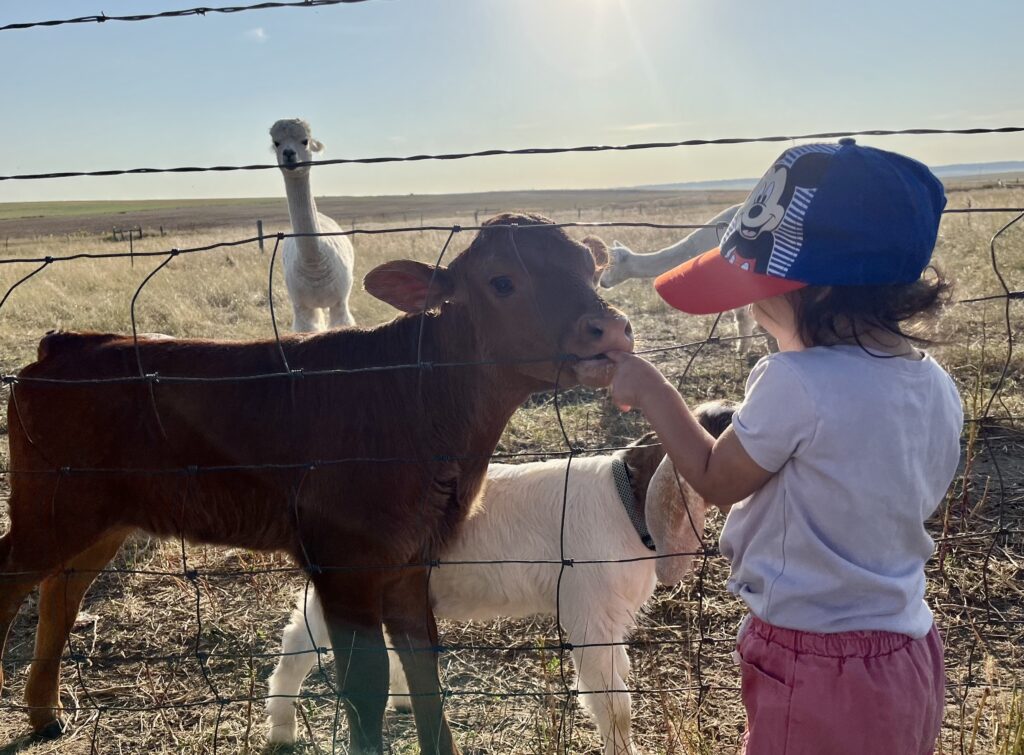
{"points": [[720, 471]]}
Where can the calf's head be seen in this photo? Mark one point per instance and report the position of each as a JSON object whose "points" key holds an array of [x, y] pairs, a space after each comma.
{"points": [[529, 292]]}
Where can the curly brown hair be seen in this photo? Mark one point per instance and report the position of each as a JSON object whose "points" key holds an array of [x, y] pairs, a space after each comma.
{"points": [[829, 314]]}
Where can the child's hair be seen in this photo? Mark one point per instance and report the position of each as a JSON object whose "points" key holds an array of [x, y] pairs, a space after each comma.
{"points": [[829, 314]]}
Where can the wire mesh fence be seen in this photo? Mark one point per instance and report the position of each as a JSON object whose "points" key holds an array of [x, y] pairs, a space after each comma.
{"points": [[683, 686]]}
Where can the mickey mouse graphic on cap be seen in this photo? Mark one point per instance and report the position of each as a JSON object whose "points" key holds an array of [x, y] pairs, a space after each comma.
{"points": [[768, 229], [823, 215]]}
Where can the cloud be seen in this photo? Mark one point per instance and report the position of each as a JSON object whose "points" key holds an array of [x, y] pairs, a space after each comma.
{"points": [[258, 34]]}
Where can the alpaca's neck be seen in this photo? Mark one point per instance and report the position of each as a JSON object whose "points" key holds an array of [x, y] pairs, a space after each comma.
{"points": [[302, 210]]}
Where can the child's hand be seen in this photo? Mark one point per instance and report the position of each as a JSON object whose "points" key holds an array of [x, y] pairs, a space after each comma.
{"points": [[635, 380]]}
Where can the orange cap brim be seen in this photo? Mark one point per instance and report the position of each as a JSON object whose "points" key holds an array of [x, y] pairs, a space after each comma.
{"points": [[709, 283]]}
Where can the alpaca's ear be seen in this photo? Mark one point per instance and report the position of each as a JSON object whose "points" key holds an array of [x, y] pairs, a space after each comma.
{"points": [[316, 146], [410, 286]]}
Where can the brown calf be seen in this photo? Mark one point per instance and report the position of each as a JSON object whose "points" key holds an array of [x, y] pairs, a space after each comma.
{"points": [[356, 466]]}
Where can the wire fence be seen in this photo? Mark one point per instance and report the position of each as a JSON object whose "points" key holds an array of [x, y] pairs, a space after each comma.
{"points": [[980, 539]]}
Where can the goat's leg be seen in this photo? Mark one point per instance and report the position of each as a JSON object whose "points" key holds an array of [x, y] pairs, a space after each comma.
{"points": [[60, 597], [352, 610], [410, 622], [398, 687], [306, 632], [602, 673]]}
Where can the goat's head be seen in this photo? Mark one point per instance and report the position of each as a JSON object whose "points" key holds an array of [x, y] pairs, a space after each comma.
{"points": [[529, 291], [615, 272], [294, 144], [673, 510]]}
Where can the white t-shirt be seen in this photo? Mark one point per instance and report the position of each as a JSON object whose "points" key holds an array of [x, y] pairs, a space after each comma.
{"points": [[864, 449]]}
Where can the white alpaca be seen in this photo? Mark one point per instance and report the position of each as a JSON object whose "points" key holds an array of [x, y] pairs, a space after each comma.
{"points": [[625, 264], [521, 519], [317, 269]]}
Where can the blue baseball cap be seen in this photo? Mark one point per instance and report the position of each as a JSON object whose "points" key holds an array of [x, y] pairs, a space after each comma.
{"points": [[823, 215]]}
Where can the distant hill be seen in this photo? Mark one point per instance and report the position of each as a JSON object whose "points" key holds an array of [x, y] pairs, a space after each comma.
{"points": [[960, 170]]}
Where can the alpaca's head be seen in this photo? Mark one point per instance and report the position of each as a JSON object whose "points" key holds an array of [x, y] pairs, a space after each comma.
{"points": [[293, 144]]}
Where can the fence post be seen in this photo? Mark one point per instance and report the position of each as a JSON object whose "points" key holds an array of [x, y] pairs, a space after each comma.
{"points": [[259, 232]]}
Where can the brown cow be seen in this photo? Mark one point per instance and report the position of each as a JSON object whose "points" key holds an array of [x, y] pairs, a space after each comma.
{"points": [[357, 464]]}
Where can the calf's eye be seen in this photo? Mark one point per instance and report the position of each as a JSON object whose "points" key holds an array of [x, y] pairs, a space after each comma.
{"points": [[503, 285], [305, 142], [277, 144]]}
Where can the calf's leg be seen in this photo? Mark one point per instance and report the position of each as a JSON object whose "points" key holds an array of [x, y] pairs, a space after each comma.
{"points": [[16, 582], [352, 610], [60, 598], [411, 625]]}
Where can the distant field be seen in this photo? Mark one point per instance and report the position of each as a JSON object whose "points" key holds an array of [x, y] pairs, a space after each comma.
{"points": [[681, 663], [56, 218]]}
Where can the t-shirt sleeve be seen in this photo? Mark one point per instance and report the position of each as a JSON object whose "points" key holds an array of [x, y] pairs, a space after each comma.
{"points": [[777, 418]]}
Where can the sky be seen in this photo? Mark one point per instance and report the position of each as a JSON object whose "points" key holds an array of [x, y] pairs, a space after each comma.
{"points": [[403, 77]]}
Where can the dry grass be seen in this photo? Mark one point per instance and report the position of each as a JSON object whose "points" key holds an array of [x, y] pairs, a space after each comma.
{"points": [[689, 701]]}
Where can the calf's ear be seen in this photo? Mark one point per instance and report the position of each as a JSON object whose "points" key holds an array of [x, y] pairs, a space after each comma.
{"points": [[599, 250], [410, 286]]}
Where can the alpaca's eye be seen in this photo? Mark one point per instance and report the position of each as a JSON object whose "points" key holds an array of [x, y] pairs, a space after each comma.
{"points": [[502, 285], [305, 142], [277, 144]]}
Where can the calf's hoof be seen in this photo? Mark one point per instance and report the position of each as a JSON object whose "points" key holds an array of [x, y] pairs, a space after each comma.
{"points": [[52, 729]]}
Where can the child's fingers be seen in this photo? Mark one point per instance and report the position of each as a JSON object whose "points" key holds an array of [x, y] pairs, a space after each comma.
{"points": [[618, 356]]}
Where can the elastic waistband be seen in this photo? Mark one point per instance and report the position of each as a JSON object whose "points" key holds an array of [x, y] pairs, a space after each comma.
{"points": [[864, 644]]}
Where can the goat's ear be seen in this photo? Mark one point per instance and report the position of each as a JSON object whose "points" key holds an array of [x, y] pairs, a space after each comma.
{"points": [[675, 519], [600, 252], [410, 286], [316, 146]]}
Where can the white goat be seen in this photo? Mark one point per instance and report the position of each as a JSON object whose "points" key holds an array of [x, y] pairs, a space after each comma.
{"points": [[521, 519], [625, 264]]}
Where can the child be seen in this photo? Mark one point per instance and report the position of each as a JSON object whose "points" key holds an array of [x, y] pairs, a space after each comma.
{"points": [[844, 445]]}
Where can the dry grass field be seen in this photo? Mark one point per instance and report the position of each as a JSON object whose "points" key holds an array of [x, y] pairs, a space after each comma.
{"points": [[135, 683]]}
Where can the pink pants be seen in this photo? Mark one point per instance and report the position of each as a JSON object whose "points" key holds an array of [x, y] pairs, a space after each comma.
{"points": [[851, 693]]}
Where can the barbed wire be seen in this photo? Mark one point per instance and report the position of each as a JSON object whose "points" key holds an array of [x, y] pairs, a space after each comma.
{"points": [[201, 11], [592, 148]]}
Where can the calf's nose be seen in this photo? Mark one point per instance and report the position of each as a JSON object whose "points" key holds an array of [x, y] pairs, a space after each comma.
{"points": [[607, 333]]}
